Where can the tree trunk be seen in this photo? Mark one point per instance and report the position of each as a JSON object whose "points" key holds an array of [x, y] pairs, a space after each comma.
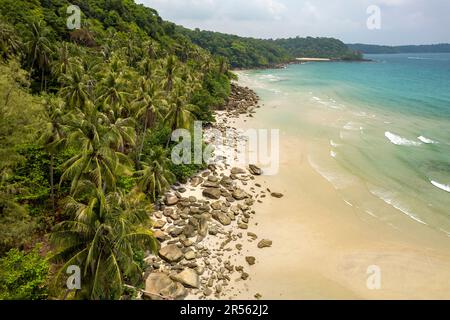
{"points": [[52, 183]]}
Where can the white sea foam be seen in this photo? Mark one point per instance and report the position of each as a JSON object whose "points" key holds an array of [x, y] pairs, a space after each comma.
{"points": [[337, 179], [348, 203], [370, 213], [334, 144], [333, 154], [420, 58], [270, 77], [441, 186], [351, 126], [426, 140], [391, 200], [400, 141]]}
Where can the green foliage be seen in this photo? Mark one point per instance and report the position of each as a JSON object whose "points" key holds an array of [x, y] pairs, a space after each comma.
{"points": [[249, 52], [23, 276]]}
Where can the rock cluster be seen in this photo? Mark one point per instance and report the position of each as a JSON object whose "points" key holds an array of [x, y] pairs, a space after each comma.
{"points": [[200, 227], [242, 100]]}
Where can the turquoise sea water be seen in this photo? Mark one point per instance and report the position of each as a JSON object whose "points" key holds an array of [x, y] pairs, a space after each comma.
{"points": [[378, 131]]}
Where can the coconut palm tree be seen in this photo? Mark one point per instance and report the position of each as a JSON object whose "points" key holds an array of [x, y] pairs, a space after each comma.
{"points": [[180, 114], [98, 159], [75, 87], [156, 177], [52, 135], [101, 237], [170, 73], [147, 106], [39, 50], [9, 41]]}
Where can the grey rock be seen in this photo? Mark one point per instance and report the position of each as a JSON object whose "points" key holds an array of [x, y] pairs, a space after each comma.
{"points": [[265, 243], [159, 286], [250, 260], [212, 193], [171, 200], [188, 277], [171, 253], [277, 195], [255, 170]]}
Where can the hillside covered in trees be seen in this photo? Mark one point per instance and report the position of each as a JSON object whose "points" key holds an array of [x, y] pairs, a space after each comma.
{"points": [[86, 117], [249, 52], [85, 126], [376, 49]]}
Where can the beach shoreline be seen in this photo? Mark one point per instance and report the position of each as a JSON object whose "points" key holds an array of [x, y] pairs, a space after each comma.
{"points": [[320, 247]]}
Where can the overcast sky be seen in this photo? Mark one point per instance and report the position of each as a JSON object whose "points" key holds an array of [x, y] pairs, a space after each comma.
{"points": [[402, 21]]}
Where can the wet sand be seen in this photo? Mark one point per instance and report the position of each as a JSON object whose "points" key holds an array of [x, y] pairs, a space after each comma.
{"points": [[322, 247]]}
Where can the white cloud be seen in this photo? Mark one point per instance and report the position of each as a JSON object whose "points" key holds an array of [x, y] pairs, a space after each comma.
{"points": [[403, 21]]}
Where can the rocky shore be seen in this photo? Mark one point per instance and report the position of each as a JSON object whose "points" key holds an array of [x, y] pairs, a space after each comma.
{"points": [[203, 225]]}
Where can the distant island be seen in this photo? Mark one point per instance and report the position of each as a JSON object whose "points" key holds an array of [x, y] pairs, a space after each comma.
{"points": [[374, 49]]}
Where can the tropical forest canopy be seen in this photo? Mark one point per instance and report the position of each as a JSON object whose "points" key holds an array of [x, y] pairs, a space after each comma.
{"points": [[250, 52], [85, 127]]}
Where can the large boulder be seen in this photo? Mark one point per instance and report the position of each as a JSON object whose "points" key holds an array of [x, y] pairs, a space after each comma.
{"points": [[212, 193], [196, 181], [255, 170], [277, 195], [237, 170], [222, 217], [239, 194], [188, 277], [171, 200], [171, 253], [265, 243], [159, 286]]}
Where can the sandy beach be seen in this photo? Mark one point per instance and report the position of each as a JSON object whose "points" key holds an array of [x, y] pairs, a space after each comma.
{"points": [[320, 246], [323, 248]]}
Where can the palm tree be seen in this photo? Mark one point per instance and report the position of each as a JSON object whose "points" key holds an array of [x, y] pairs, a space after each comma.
{"points": [[112, 92], [40, 50], [155, 177], [53, 136], [98, 159], [9, 41], [102, 237], [170, 73], [147, 105], [180, 114], [75, 89], [61, 65]]}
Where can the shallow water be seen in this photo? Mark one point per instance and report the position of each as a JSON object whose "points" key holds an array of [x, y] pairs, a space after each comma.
{"points": [[379, 132]]}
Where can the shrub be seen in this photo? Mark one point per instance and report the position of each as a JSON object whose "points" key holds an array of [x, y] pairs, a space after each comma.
{"points": [[23, 276]]}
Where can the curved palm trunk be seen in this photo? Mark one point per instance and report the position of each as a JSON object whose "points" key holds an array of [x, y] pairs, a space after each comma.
{"points": [[52, 182]]}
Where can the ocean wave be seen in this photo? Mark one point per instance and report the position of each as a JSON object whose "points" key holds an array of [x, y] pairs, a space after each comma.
{"points": [[400, 141], [338, 180], [351, 126], [390, 199], [271, 78], [441, 186], [426, 140], [334, 144], [420, 58]]}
